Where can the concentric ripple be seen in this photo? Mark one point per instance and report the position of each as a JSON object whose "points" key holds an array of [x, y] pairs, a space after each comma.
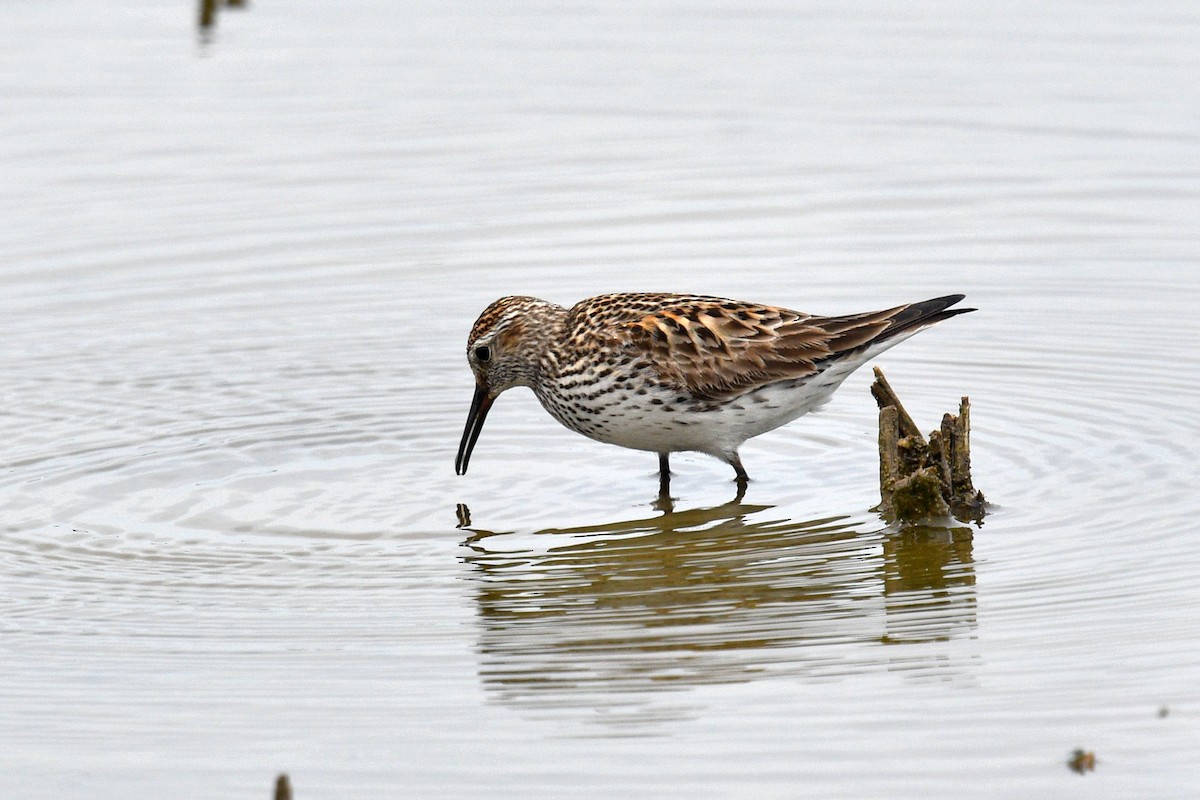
{"points": [[236, 275]]}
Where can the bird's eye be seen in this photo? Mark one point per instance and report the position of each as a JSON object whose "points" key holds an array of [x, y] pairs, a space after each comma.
{"points": [[483, 353]]}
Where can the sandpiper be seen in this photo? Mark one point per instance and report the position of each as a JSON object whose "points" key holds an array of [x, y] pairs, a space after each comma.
{"points": [[674, 372]]}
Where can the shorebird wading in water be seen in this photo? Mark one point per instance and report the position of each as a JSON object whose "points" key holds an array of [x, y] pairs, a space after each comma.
{"points": [[674, 372]]}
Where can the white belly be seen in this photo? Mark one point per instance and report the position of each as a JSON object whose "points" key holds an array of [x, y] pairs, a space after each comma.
{"points": [[658, 422]]}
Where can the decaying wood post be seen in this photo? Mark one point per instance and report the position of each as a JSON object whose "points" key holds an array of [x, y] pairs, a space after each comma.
{"points": [[924, 479]]}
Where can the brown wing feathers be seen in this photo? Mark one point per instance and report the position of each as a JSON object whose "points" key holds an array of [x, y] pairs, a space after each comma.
{"points": [[717, 348]]}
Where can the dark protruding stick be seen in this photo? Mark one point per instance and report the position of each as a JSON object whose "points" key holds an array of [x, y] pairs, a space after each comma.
{"points": [[886, 396], [208, 13], [283, 787], [924, 479]]}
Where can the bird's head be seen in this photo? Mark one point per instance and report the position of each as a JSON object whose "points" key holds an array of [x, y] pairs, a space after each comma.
{"points": [[504, 350]]}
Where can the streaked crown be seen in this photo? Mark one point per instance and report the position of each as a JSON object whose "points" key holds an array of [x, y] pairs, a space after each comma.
{"points": [[508, 341]]}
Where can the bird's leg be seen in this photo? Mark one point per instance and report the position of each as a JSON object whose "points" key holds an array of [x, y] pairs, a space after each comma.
{"points": [[736, 462], [664, 473], [664, 503]]}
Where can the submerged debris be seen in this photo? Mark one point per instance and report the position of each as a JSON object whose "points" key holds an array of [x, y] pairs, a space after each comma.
{"points": [[923, 479], [1082, 761]]}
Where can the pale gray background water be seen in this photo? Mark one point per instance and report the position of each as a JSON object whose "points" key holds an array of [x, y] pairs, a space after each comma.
{"points": [[237, 273]]}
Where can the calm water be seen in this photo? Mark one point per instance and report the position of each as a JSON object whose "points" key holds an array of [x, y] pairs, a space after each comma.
{"points": [[238, 268]]}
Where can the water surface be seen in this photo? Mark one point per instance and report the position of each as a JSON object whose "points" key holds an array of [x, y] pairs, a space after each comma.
{"points": [[238, 268]]}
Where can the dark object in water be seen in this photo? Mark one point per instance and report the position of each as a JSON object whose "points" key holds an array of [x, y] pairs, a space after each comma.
{"points": [[283, 787], [209, 8], [1082, 761], [919, 479]]}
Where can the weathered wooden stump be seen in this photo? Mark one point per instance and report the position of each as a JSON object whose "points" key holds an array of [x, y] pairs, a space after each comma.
{"points": [[924, 479]]}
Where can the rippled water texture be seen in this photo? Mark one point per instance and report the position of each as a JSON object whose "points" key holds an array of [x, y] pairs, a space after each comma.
{"points": [[237, 269]]}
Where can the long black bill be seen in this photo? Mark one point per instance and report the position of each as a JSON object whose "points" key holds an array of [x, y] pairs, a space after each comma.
{"points": [[475, 417]]}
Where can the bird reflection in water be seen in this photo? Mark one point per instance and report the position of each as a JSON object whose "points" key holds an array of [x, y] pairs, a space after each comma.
{"points": [[620, 617]]}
